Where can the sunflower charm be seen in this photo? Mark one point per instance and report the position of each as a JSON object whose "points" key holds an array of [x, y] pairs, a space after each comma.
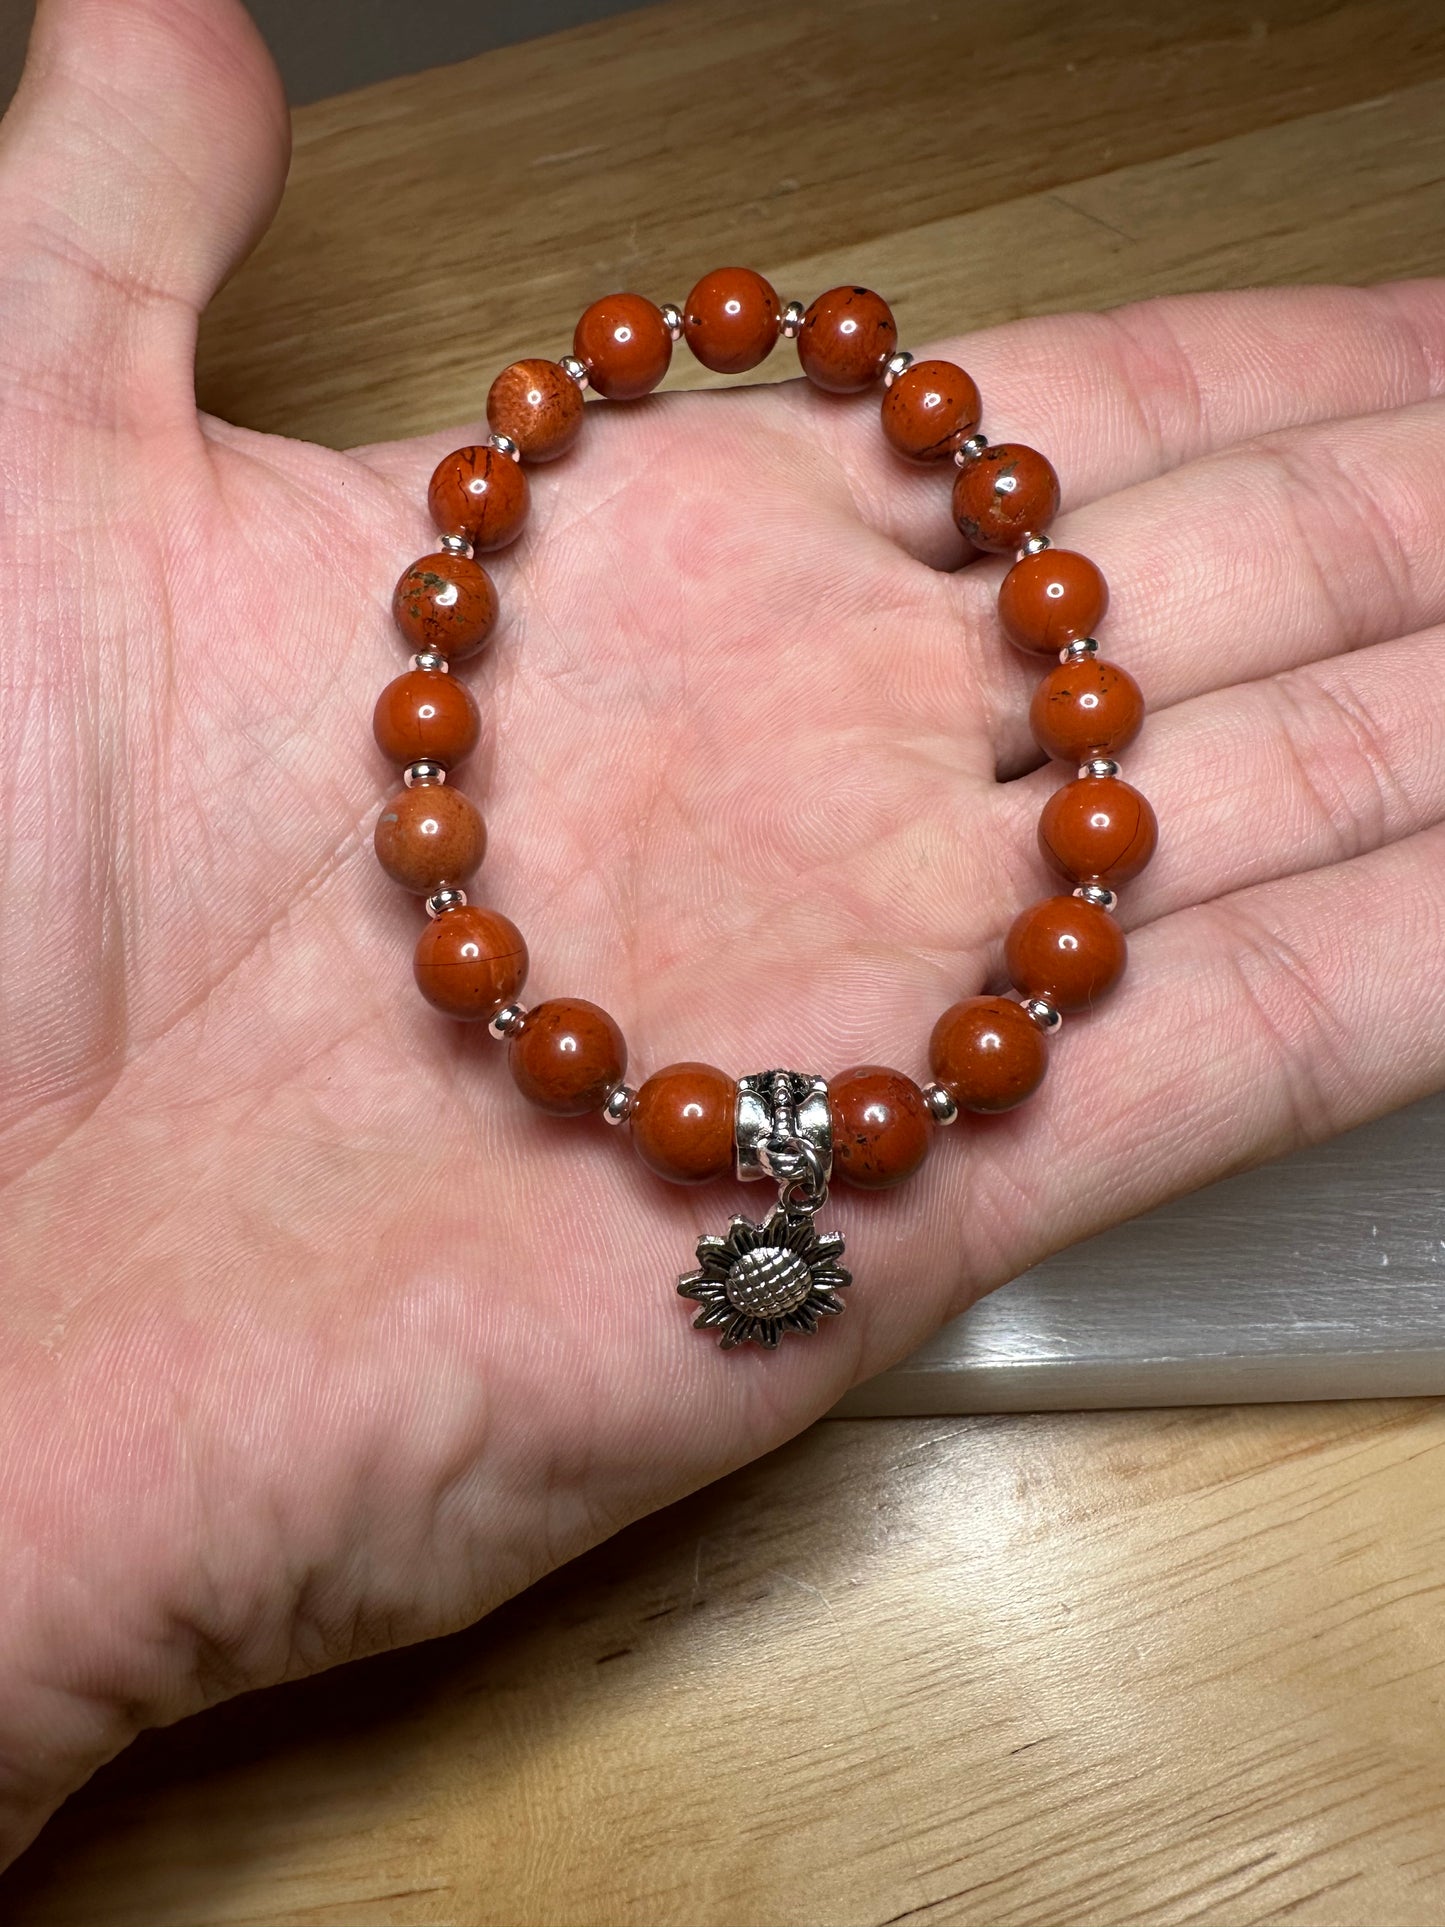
{"points": [[762, 1280]]}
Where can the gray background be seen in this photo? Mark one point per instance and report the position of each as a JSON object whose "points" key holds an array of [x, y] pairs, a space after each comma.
{"points": [[328, 46]]}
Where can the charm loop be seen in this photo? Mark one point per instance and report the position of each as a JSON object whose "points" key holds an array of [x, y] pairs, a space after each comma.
{"points": [[778, 1113]]}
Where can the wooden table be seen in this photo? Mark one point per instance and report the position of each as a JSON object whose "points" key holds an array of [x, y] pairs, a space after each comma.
{"points": [[1076, 1668]]}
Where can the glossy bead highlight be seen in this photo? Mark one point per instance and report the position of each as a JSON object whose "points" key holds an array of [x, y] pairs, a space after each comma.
{"points": [[625, 344], [930, 410], [683, 1122], [1098, 829], [1048, 599], [429, 836], [481, 494], [731, 320], [567, 1056], [445, 603], [425, 717], [882, 1126], [1066, 952], [1006, 492], [539, 406], [470, 962], [1085, 709], [988, 1054], [846, 336]]}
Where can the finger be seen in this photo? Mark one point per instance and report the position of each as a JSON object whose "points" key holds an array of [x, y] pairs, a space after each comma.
{"points": [[1295, 772], [142, 156], [1114, 399], [1285, 551], [1246, 1028]]}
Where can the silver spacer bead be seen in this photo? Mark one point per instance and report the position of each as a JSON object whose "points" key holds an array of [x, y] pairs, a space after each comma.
{"points": [[941, 1106], [619, 1107], [1033, 545], [895, 366], [970, 450], [1099, 766], [793, 314], [455, 545], [447, 898], [1099, 895], [1081, 649], [504, 445], [432, 661], [1044, 1015], [507, 1020], [575, 368], [672, 315], [418, 775]]}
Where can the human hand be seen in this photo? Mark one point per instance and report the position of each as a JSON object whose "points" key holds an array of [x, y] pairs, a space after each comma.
{"points": [[315, 1339]]}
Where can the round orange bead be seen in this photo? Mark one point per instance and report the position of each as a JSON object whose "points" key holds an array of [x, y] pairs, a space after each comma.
{"points": [[846, 337], [683, 1121], [624, 344], [567, 1056], [881, 1126], [1098, 829], [731, 320], [930, 410], [446, 603], [988, 1054], [481, 494], [1066, 951], [539, 405], [1005, 493], [1085, 709], [1047, 600], [469, 962], [429, 836], [423, 716]]}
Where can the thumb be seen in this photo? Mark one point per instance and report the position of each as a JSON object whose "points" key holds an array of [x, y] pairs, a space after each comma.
{"points": [[142, 157]]}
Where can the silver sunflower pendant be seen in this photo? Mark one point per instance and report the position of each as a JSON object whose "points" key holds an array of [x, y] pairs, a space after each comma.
{"points": [[763, 1280]]}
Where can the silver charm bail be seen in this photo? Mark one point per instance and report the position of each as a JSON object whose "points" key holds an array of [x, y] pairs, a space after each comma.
{"points": [[784, 1128]]}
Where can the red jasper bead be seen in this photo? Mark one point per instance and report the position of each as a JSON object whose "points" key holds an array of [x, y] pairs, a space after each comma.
{"points": [[426, 717], [1049, 599], [470, 961], [624, 343], [682, 1123], [731, 320], [1005, 493], [988, 1054], [1066, 951], [1085, 709], [1097, 830], [539, 405], [930, 410], [445, 603], [846, 336], [429, 836], [481, 494], [882, 1129], [567, 1056]]}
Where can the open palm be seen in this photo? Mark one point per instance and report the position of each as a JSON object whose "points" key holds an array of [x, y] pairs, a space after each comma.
{"points": [[315, 1338]]}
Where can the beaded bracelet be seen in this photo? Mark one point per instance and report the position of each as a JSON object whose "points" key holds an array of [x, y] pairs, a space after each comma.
{"points": [[691, 1122]]}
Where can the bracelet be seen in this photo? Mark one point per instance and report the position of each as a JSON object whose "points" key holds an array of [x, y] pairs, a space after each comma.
{"points": [[691, 1122]]}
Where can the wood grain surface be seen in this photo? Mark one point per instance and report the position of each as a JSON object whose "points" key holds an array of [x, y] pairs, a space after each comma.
{"points": [[1089, 1667], [1092, 1668]]}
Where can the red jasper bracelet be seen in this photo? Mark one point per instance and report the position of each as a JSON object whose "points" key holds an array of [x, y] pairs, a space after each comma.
{"points": [[690, 1122]]}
